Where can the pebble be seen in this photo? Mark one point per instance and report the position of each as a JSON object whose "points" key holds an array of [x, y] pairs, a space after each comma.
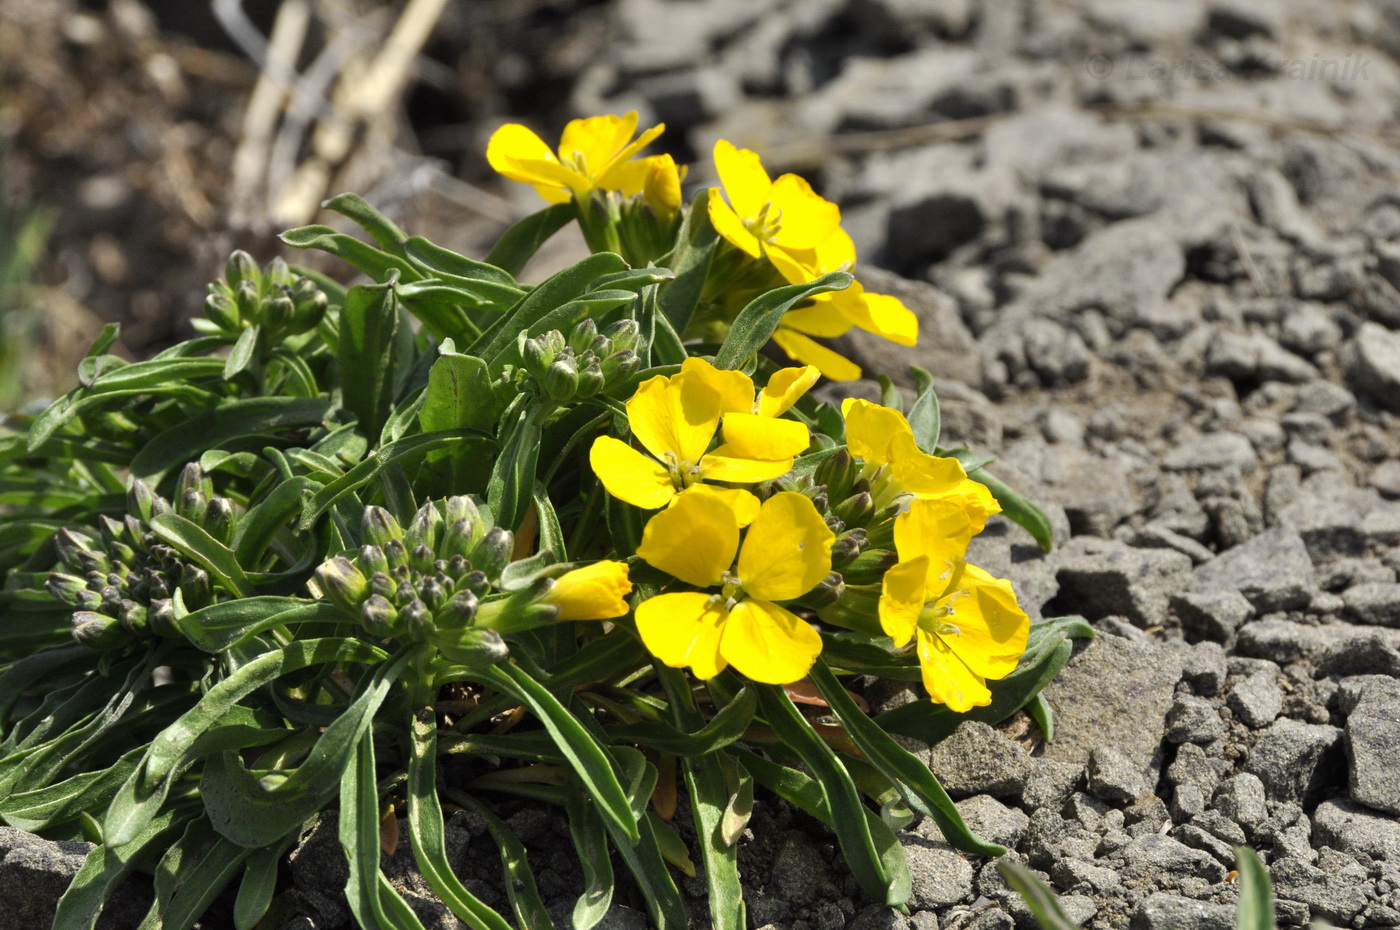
{"points": [[1100, 578], [1215, 615], [1193, 720], [1241, 799], [1372, 361], [1376, 603], [1373, 743], [1257, 700], [1273, 571], [976, 759], [1173, 912], [1113, 777], [1296, 761]]}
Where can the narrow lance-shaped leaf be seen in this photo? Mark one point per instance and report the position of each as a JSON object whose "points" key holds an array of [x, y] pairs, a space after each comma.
{"points": [[755, 324], [368, 322]]}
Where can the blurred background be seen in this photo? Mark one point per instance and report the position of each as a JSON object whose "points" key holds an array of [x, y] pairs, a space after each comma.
{"points": [[969, 142]]}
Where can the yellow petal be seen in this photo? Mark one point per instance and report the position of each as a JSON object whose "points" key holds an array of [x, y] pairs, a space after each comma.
{"points": [[662, 187], [553, 194], [733, 389], [741, 502], [694, 539], [750, 436], [831, 364], [596, 140], [728, 224], [594, 592], [821, 319], [787, 550], [512, 143], [947, 679], [769, 643], [623, 155], [628, 178], [983, 625], [630, 476], [720, 465], [683, 630], [667, 418], [938, 530], [872, 430], [745, 182], [902, 599], [806, 218], [797, 266], [784, 388], [882, 315], [837, 252]]}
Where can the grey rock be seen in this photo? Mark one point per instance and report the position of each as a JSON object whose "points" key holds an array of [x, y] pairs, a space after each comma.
{"points": [[1193, 720], [1284, 641], [1188, 801], [1105, 578], [879, 917], [1113, 777], [1212, 451], [993, 821], [1369, 653], [1372, 362], [1220, 827], [1349, 827], [1329, 896], [1113, 693], [1386, 478], [1375, 604], [1050, 837], [1257, 700], [1296, 761], [1094, 507], [1240, 19], [800, 874], [1055, 353], [319, 870], [1173, 912], [34, 874], [976, 759], [1381, 526], [1273, 571], [941, 876], [1156, 855], [1307, 329], [1197, 838], [1051, 784], [1160, 536], [1069, 874], [1193, 767], [1241, 799], [1373, 743], [1215, 615], [1203, 667], [1329, 524], [945, 346], [1340, 574]]}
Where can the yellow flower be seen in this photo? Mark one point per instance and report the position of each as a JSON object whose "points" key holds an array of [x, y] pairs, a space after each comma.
{"points": [[967, 623], [594, 154], [785, 553], [761, 212], [752, 427], [881, 314], [883, 439], [594, 592], [675, 419]]}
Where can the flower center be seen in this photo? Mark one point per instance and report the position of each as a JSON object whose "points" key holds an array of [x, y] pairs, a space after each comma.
{"points": [[733, 590], [764, 227], [684, 473]]}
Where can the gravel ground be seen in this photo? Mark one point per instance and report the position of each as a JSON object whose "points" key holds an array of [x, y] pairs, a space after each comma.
{"points": [[1155, 245]]}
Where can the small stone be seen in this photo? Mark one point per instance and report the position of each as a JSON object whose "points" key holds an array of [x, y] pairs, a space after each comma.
{"points": [[1104, 578], [1051, 784], [1381, 526], [1227, 831], [1212, 451], [1328, 523], [1158, 536], [1374, 604], [1349, 827], [1296, 761], [993, 821], [1203, 668], [1372, 361], [1215, 615], [1373, 743], [1369, 653], [1193, 720], [1207, 842], [1257, 700], [1187, 801], [941, 876], [1386, 478], [1113, 777], [1308, 330], [1330, 896], [976, 759], [1193, 767], [800, 874], [1069, 874], [1173, 912], [1241, 799], [1157, 855], [1273, 571]]}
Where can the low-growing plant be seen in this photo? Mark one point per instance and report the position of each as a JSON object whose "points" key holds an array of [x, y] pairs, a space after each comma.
{"points": [[444, 537]]}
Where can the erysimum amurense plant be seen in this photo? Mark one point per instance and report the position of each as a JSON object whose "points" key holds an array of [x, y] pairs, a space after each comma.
{"points": [[444, 537]]}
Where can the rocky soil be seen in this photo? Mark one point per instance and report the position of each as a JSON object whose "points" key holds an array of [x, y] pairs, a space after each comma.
{"points": [[1156, 248]]}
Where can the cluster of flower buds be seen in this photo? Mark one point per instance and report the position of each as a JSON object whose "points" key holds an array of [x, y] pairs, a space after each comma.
{"points": [[277, 299], [584, 363], [122, 581]]}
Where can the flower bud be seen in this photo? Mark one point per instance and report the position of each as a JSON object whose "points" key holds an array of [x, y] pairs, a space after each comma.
{"points": [[378, 616], [66, 588], [239, 268], [223, 312], [395, 554], [372, 560], [161, 619], [475, 582], [195, 586], [619, 366], [869, 567], [219, 519], [416, 618], [420, 559], [342, 584], [278, 272], [141, 500], [837, 472], [382, 585], [521, 610], [591, 380], [426, 528], [847, 546], [278, 312], [432, 593], [625, 335], [827, 592], [98, 631], [594, 592], [459, 539], [457, 611], [493, 552], [460, 507], [133, 617], [561, 379], [378, 526], [248, 301], [855, 510], [582, 335], [473, 646], [311, 305]]}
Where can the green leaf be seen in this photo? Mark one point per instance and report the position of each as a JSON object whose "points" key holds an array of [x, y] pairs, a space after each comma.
{"points": [[368, 323], [221, 626], [838, 791], [908, 773], [925, 417], [381, 229], [728, 725], [426, 832], [1018, 509], [1038, 897], [57, 803], [755, 324], [458, 395], [241, 355], [591, 844], [1039, 710], [106, 866], [512, 482], [435, 260], [366, 890], [1256, 908], [190, 875], [560, 289], [380, 266], [105, 339], [221, 426], [579, 747], [212, 555], [695, 247], [258, 886], [520, 243]]}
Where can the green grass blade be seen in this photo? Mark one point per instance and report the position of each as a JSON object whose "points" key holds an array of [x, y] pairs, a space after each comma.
{"points": [[1037, 895], [1256, 908]]}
